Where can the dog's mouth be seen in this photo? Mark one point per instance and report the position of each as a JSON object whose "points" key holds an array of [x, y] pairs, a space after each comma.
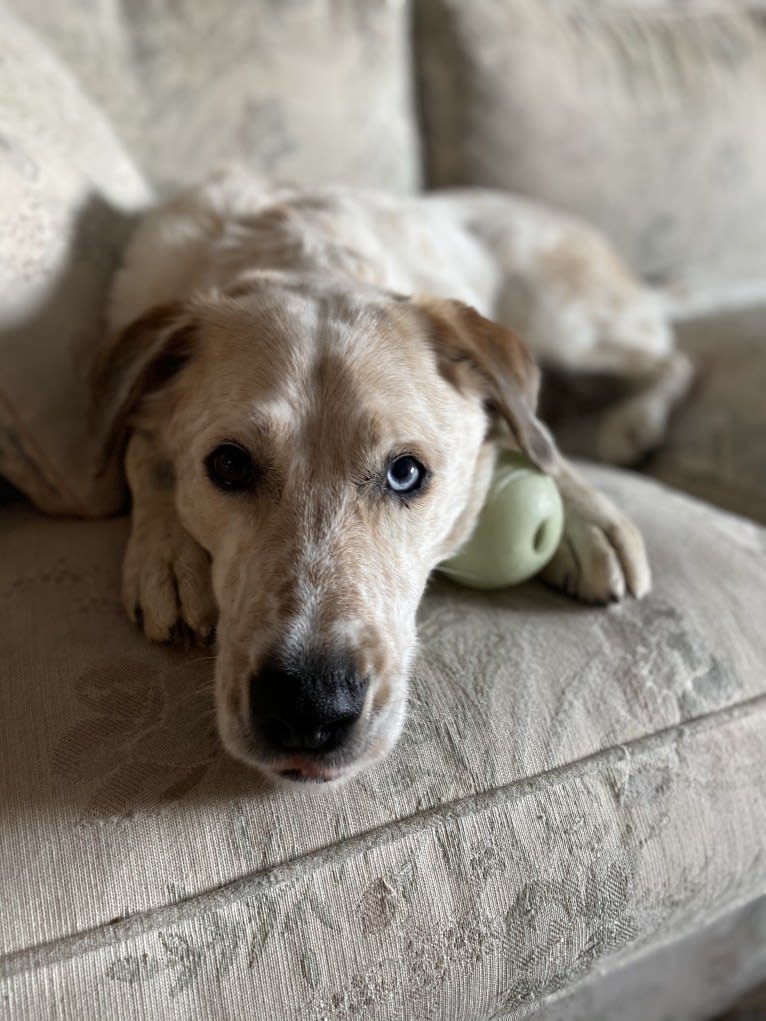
{"points": [[370, 739], [300, 769], [297, 767]]}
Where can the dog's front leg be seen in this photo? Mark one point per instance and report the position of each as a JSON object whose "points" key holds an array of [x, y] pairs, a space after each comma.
{"points": [[166, 573], [601, 557]]}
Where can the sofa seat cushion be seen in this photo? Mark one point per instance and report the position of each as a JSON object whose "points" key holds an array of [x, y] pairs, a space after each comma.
{"points": [[694, 977], [572, 782]]}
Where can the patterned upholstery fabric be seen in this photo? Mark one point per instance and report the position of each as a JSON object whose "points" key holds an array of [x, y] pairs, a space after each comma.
{"points": [[67, 192], [646, 118], [688, 972], [576, 788], [308, 91], [572, 783]]}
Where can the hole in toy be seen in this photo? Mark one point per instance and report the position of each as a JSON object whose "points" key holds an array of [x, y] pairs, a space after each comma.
{"points": [[541, 536]]}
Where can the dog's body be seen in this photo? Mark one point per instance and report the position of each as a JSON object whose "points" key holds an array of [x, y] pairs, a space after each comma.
{"points": [[325, 441]]}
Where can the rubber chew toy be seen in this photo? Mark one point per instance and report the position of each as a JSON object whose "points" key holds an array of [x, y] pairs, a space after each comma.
{"points": [[518, 530]]}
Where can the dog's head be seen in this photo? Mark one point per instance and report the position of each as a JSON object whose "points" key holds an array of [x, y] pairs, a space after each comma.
{"points": [[329, 449]]}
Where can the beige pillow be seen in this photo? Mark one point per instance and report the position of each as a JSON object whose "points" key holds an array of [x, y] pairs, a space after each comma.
{"points": [[67, 192], [310, 92], [646, 118]]}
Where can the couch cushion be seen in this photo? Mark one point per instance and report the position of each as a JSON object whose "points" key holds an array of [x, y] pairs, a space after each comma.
{"points": [[716, 446], [648, 119], [693, 978], [308, 92], [571, 782], [67, 192]]}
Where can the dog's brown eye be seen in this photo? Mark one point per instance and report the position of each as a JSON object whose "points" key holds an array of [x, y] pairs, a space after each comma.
{"points": [[230, 467], [405, 474]]}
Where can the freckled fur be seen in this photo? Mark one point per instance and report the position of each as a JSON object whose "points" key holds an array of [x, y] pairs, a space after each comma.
{"points": [[299, 345], [163, 475]]}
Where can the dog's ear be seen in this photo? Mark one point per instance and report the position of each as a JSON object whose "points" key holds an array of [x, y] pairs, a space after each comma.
{"points": [[134, 363], [507, 374]]}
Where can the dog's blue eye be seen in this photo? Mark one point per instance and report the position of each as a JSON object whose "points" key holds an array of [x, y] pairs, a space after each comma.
{"points": [[230, 467], [405, 474]]}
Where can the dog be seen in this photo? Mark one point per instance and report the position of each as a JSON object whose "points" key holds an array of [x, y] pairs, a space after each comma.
{"points": [[313, 387]]}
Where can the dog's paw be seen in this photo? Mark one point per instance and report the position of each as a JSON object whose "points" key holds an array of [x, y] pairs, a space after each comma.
{"points": [[601, 557], [636, 426], [166, 584], [632, 429]]}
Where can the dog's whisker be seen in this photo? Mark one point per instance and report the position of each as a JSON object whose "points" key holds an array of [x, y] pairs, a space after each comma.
{"points": [[192, 662]]}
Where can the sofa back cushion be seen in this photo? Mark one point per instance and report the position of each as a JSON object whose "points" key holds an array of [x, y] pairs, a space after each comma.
{"points": [[646, 118], [308, 92], [68, 195]]}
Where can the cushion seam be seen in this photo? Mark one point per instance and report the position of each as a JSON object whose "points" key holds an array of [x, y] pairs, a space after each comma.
{"points": [[251, 885]]}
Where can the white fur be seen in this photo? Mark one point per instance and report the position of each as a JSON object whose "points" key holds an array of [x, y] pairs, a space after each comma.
{"points": [[546, 275]]}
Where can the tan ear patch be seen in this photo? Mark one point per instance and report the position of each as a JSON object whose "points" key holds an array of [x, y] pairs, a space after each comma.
{"points": [[504, 365], [138, 361]]}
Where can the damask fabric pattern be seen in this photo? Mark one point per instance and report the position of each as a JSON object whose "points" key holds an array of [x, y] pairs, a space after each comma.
{"points": [[572, 783], [68, 193], [699, 975], [307, 91], [648, 119]]}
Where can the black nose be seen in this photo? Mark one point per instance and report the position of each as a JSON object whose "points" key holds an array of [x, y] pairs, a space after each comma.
{"points": [[309, 704]]}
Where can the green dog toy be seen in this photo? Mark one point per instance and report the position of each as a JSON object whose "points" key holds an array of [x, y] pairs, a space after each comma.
{"points": [[518, 530]]}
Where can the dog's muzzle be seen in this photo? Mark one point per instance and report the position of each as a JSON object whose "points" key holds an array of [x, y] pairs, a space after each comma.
{"points": [[305, 711]]}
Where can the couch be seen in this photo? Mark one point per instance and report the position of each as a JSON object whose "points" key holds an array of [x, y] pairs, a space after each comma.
{"points": [[573, 825]]}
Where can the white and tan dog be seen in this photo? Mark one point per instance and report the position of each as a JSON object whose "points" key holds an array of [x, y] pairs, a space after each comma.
{"points": [[307, 443]]}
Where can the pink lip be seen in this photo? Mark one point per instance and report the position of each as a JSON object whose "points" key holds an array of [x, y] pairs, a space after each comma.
{"points": [[299, 768]]}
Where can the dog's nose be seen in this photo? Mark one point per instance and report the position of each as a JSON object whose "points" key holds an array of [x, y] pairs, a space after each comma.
{"points": [[307, 706]]}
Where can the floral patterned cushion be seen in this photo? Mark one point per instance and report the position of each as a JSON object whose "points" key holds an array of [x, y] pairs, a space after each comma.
{"points": [[302, 90], [697, 976], [573, 784], [648, 119], [67, 192]]}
